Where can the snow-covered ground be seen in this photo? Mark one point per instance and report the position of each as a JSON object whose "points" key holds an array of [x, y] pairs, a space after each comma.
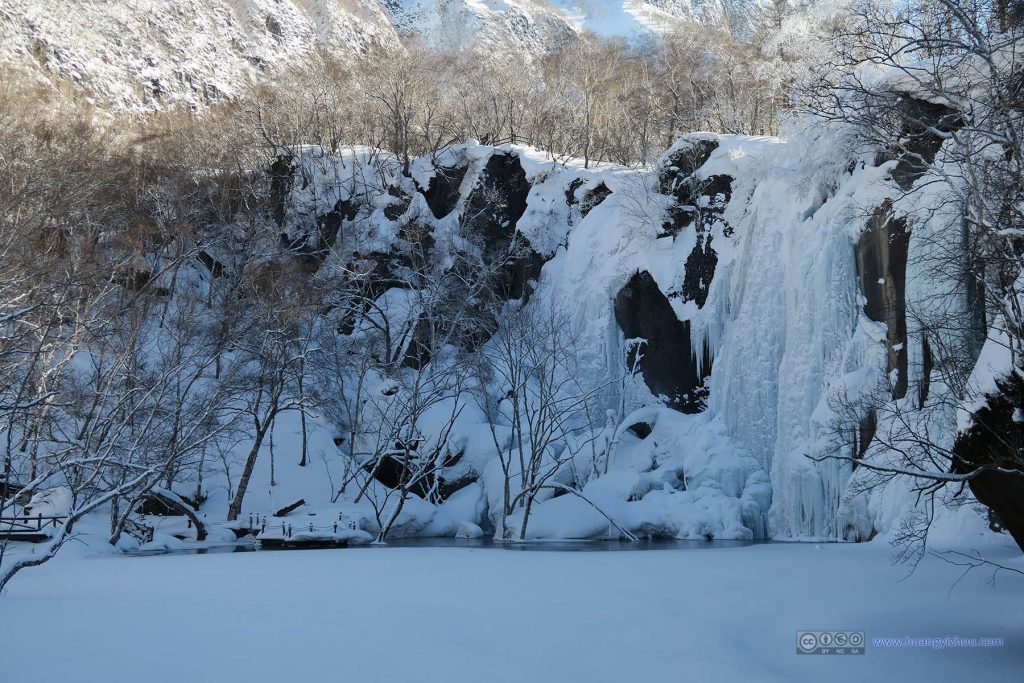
{"points": [[451, 614]]}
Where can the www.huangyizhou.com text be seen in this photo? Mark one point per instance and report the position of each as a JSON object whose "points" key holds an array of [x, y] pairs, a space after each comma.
{"points": [[937, 643]]}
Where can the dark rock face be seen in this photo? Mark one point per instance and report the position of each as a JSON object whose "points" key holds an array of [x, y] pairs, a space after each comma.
{"points": [[699, 202], [593, 198], [683, 163], [162, 506], [442, 194], [329, 224], [863, 434], [446, 488], [922, 126], [590, 199], [641, 430], [927, 363], [399, 203], [312, 246], [700, 270], [570, 192], [391, 471], [420, 350], [996, 440], [715, 186], [379, 270], [492, 211], [499, 199], [680, 216], [881, 255], [668, 361], [522, 269], [282, 177], [215, 267]]}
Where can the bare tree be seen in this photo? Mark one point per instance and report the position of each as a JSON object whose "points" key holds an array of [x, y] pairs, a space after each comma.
{"points": [[539, 403]]}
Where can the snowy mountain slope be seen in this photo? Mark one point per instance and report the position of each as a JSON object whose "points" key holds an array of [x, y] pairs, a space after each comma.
{"points": [[151, 54], [154, 53], [537, 25], [529, 25], [635, 18]]}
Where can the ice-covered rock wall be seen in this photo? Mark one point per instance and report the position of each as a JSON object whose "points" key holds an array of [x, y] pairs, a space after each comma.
{"points": [[754, 282]]}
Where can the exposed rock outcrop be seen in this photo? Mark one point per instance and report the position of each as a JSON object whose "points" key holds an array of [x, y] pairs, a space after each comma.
{"points": [[683, 161], [498, 200], [282, 179], [668, 362], [699, 202], [881, 255], [700, 270], [996, 439], [924, 129], [491, 213], [442, 193], [593, 198]]}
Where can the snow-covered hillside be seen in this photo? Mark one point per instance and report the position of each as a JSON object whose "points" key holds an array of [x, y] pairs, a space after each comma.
{"points": [[533, 26], [635, 18], [146, 55], [537, 25], [154, 53]]}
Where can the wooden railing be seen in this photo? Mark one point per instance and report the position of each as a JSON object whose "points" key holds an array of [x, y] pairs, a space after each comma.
{"points": [[27, 524]]}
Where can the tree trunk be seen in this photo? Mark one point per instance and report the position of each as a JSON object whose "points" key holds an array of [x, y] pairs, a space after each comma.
{"points": [[526, 517], [184, 509], [384, 530], [302, 414], [273, 481], [235, 509]]}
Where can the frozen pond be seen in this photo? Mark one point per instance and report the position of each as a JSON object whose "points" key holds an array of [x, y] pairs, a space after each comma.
{"points": [[466, 614]]}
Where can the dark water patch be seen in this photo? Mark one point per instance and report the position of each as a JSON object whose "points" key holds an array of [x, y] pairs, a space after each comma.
{"points": [[560, 545]]}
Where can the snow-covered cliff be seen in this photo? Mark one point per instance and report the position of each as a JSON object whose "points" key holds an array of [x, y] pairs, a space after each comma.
{"points": [[769, 284]]}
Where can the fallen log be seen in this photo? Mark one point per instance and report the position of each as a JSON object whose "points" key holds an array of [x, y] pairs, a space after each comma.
{"points": [[290, 508]]}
